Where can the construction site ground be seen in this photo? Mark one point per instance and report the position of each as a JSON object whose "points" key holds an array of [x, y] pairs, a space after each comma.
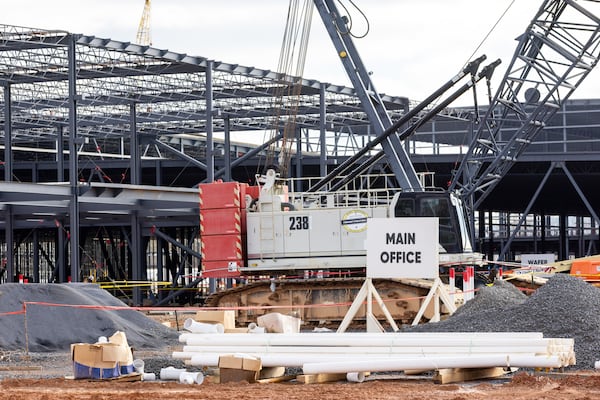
{"points": [[43, 377], [35, 335]]}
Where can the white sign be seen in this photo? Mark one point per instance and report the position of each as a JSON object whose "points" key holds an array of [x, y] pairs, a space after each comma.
{"points": [[402, 248], [537, 259]]}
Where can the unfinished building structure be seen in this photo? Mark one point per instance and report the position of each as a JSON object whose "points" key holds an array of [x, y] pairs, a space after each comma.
{"points": [[105, 143]]}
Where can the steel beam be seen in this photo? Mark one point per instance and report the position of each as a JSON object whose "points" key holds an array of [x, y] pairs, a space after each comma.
{"points": [[73, 164], [210, 145], [8, 157]]}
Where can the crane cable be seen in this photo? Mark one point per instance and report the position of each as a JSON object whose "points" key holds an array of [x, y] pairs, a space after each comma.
{"points": [[350, 22], [292, 60], [485, 38], [492, 29]]}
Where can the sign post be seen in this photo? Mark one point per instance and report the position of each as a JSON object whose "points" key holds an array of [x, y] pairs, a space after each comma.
{"points": [[399, 248]]}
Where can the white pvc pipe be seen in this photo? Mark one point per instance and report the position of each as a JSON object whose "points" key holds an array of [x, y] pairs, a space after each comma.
{"points": [[299, 360], [183, 337], [345, 340], [358, 377], [375, 337], [254, 328], [189, 351], [202, 327], [138, 365], [148, 376], [191, 378], [431, 363], [257, 330], [170, 373]]}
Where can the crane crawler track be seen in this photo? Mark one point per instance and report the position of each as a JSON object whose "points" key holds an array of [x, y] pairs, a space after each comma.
{"points": [[321, 302]]}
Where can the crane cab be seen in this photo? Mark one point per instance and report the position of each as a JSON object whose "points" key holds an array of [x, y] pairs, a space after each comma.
{"points": [[453, 233]]}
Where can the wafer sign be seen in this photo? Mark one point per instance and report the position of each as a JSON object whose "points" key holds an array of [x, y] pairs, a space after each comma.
{"points": [[402, 247]]}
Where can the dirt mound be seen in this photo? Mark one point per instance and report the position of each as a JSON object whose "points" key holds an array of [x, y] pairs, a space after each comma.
{"points": [[44, 326]]}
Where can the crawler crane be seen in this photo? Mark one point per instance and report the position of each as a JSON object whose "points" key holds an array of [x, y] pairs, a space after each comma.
{"points": [[319, 233]]}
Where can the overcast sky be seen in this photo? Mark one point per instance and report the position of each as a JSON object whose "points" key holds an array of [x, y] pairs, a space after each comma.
{"points": [[413, 46]]}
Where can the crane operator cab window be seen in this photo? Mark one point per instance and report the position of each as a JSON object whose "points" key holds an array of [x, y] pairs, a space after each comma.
{"points": [[432, 205]]}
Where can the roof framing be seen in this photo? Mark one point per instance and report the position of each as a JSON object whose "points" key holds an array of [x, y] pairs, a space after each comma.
{"points": [[167, 88]]}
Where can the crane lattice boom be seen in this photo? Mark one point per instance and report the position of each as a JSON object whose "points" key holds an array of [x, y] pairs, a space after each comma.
{"points": [[143, 34]]}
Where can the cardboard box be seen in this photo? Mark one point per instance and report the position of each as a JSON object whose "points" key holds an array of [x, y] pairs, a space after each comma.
{"points": [[235, 368], [225, 317], [102, 360]]}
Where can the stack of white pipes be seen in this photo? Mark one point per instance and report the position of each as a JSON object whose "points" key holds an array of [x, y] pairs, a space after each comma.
{"points": [[380, 352]]}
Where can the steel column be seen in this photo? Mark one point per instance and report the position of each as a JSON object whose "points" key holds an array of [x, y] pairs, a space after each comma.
{"points": [[135, 246], [8, 165], [9, 236], [36, 256], [210, 146], [61, 273], [60, 154], [227, 149], [160, 248], [134, 148], [322, 130], [73, 165]]}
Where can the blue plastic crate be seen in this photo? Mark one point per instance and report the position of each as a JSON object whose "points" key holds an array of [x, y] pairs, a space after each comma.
{"points": [[81, 371], [127, 369]]}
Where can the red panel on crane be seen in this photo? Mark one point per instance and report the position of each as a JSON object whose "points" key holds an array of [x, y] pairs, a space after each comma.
{"points": [[218, 269], [220, 221], [222, 247], [222, 227], [222, 195]]}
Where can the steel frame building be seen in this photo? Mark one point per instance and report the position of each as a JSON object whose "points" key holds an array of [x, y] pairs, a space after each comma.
{"points": [[147, 125]]}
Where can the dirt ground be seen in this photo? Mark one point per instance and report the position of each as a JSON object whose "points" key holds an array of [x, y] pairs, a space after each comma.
{"points": [[43, 376], [581, 386]]}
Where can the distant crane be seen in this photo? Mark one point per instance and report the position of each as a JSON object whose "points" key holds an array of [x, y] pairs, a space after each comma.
{"points": [[143, 34]]}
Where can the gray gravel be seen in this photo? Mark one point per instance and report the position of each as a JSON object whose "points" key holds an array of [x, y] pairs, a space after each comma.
{"points": [[565, 307]]}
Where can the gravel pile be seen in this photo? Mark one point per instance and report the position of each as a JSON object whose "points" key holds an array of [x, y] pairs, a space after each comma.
{"points": [[565, 307], [46, 327]]}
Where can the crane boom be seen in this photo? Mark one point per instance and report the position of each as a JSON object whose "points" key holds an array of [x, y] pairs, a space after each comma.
{"points": [[411, 114], [412, 128], [369, 97], [554, 55]]}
